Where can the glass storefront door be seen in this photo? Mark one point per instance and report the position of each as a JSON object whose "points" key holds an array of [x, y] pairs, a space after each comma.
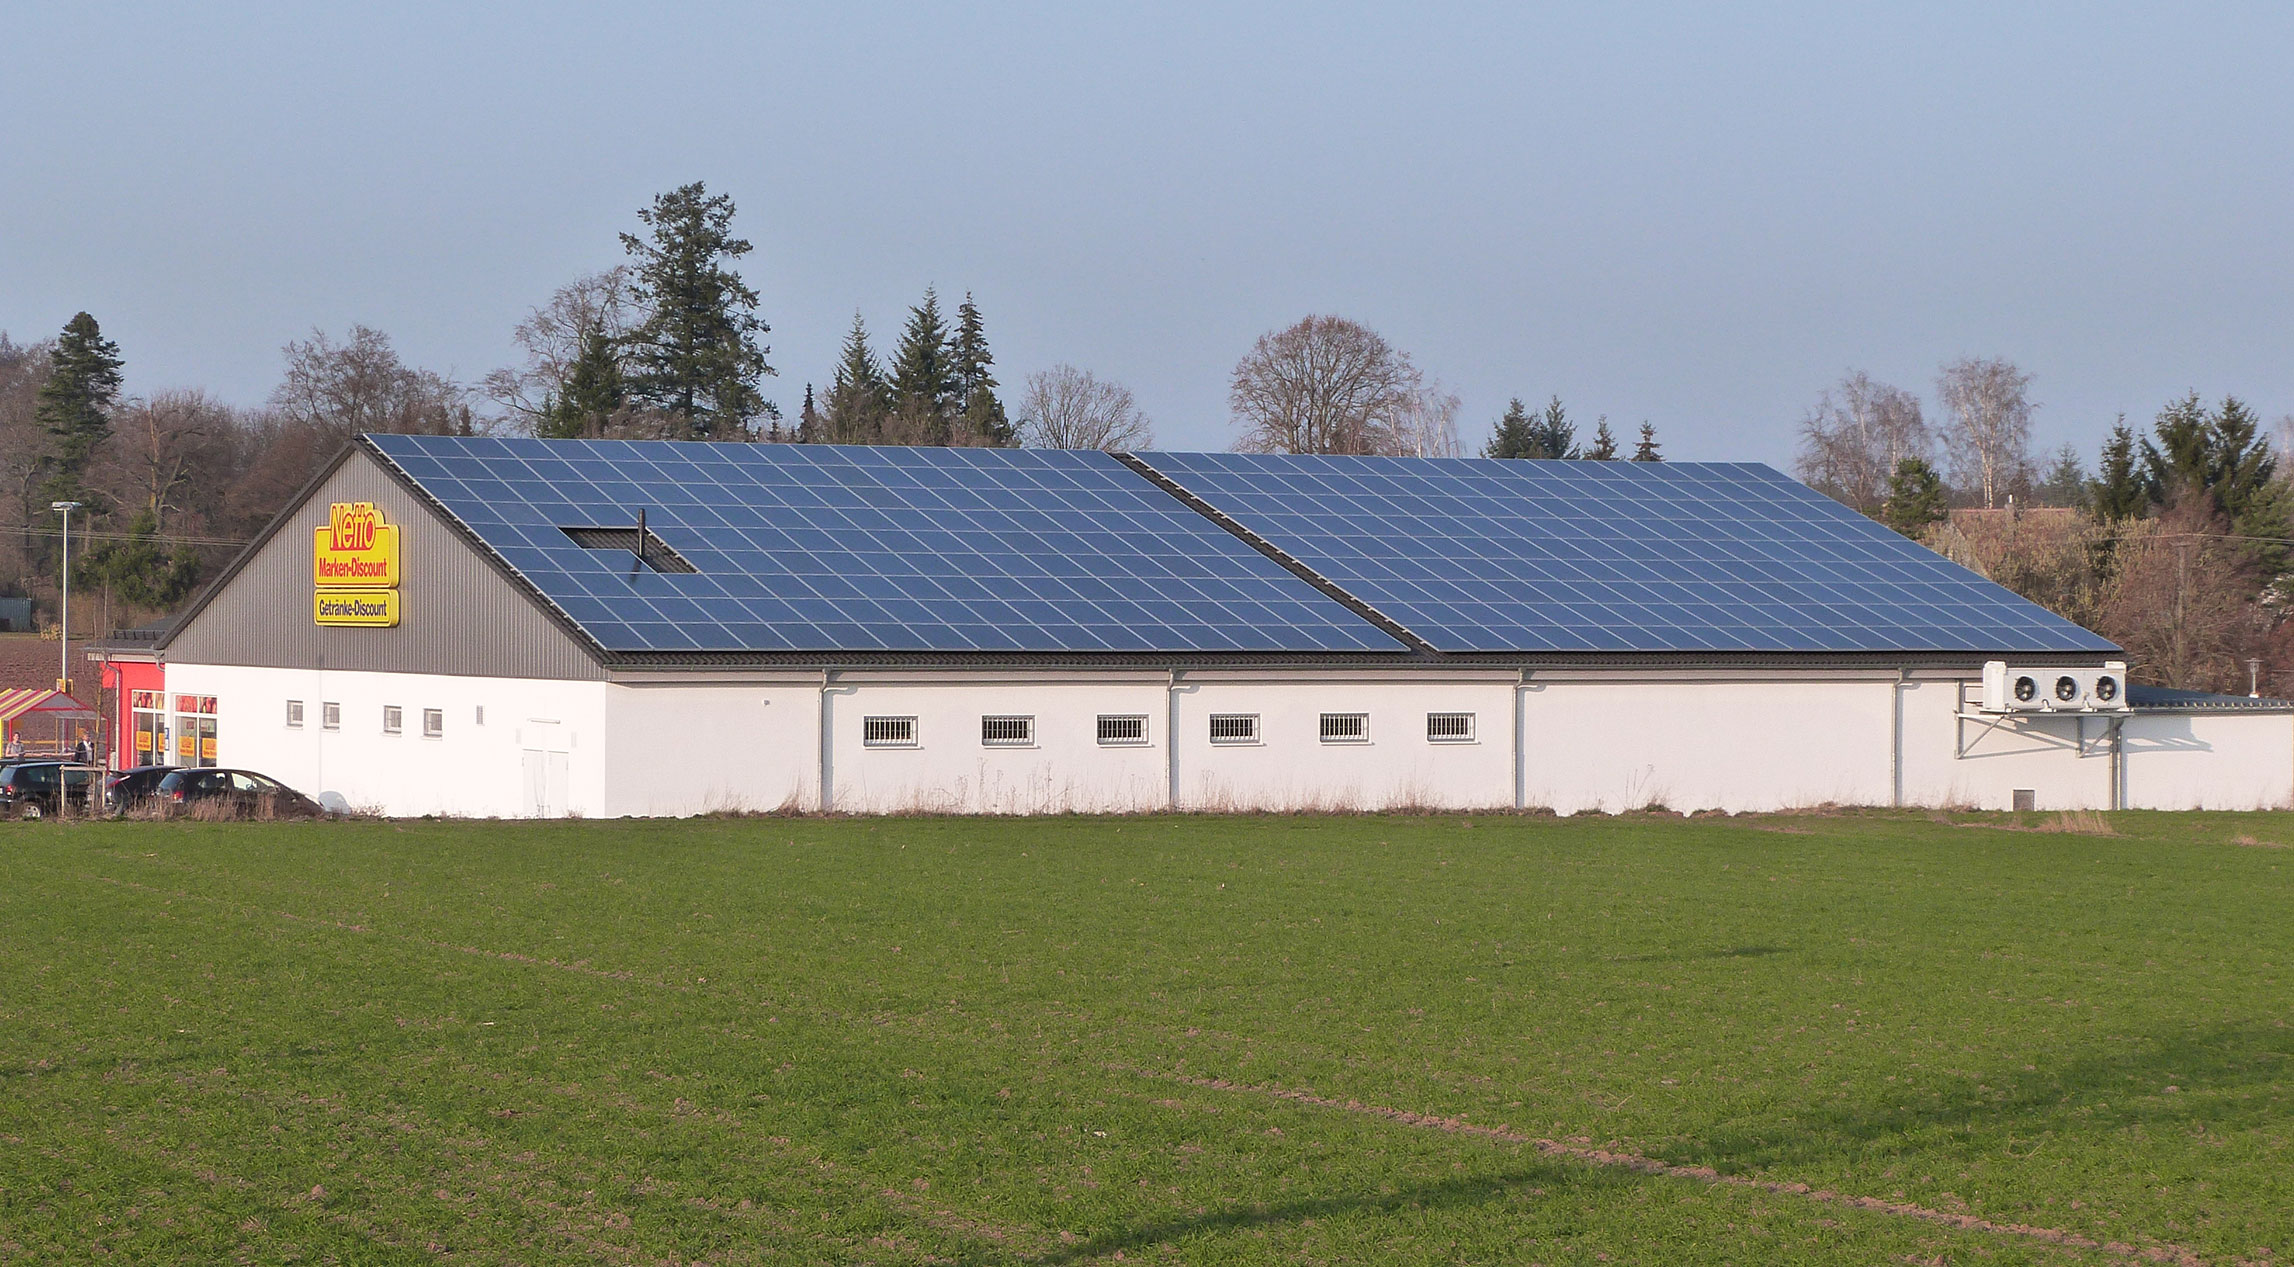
{"points": [[195, 730], [150, 741]]}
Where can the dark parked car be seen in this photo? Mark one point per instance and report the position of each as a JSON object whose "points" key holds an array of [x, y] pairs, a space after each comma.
{"points": [[134, 789], [233, 793], [31, 789]]}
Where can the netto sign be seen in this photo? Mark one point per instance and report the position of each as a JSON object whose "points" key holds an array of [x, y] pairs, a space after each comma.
{"points": [[354, 565]]}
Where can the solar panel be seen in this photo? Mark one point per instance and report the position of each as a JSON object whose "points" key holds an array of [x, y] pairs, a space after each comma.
{"points": [[1487, 555], [838, 548]]}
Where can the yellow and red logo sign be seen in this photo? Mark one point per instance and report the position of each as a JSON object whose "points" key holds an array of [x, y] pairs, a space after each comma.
{"points": [[354, 565], [357, 549]]}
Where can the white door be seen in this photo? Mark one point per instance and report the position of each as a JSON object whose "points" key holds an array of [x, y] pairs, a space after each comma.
{"points": [[548, 768], [557, 778], [537, 784]]}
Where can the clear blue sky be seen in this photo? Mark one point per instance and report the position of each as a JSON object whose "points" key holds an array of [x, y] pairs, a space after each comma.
{"points": [[1696, 216]]}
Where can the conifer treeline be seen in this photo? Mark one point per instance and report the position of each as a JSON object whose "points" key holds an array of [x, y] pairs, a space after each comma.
{"points": [[1549, 433], [940, 387]]}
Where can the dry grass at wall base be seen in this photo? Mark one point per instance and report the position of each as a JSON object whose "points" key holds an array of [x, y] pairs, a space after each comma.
{"points": [[1404, 1039]]}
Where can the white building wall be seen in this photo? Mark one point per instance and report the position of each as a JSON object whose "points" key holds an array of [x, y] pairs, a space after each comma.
{"points": [[1620, 743], [1589, 742], [2202, 760], [949, 770], [1290, 768], [677, 749], [1960, 762], [474, 768]]}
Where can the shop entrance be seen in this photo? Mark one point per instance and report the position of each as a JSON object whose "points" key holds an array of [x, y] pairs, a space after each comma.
{"points": [[195, 730], [150, 741]]}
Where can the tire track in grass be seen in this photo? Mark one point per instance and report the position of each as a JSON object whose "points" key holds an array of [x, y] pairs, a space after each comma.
{"points": [[939, 1216], [2157, 1252], [581, 966]]}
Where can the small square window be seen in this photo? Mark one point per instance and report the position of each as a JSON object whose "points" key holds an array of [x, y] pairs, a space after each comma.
{"points": [[295, 714], [393, 719], [1007, 732], [1117, 730], [331, 715], [888, 732], [1449, 728], [1346, 728], [433, 722], [1234, 728]]}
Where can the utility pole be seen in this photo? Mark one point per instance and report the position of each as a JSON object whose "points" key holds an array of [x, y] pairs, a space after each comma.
{"points": [[64, 653]]}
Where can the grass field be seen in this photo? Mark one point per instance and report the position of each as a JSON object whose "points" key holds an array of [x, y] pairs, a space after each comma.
{"points": [[1171, 1039]]}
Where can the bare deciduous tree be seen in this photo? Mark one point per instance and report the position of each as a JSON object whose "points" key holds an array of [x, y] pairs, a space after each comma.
{"points": [[1988, 436], [331, 392], [551, 337], [2182, 602], [1325, 385], [23, 448], [166, 450], [1427, 425], [342, 389], [1067, 408], [1851, 442]]}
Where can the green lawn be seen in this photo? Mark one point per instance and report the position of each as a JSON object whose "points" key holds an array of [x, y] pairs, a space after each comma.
{"points": [[938, 1040]]}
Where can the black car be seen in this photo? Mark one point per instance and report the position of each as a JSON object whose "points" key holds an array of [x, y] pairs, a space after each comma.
{"points": [[32, 789], [232, 794], [133, 789]]}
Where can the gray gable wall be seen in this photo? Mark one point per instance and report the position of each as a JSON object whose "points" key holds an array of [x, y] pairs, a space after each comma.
{"points": [[458, 614]]}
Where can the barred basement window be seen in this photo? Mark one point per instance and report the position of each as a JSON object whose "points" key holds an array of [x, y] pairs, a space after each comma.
{"points": [[1346, 728], [393, 719], [1234, 728], [433, 722], [887, 732], [1449, 728], [1007, 732], [295, 714], [1122, 729], [331, 715]]}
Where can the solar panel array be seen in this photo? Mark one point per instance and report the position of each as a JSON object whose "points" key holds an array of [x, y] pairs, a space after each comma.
{"points": [[836, 548], [1476, 555]]}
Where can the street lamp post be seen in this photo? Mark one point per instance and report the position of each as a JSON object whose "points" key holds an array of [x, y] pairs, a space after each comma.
{"points": [[64, 655]]}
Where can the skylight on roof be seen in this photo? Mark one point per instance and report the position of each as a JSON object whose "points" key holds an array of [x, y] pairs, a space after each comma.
{"points": [[648, 549]]}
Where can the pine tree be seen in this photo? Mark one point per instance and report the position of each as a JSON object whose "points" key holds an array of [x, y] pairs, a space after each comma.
{"points": [[1512, 439], [2119, 491], [1553, 435], [75, 407], [979, 415], [1647, 450], [696, 357], [2065, 483], [2242, 465], [1916, 498], [1604, 443], [136, 571], [593, 392], [858, 398], [925, 394], [2243, 469], [809, 421], [2183, 459]]}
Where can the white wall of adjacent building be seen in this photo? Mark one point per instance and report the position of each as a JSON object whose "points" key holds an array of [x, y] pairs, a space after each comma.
{"points": [[1567, 741], [2207, 760]]}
